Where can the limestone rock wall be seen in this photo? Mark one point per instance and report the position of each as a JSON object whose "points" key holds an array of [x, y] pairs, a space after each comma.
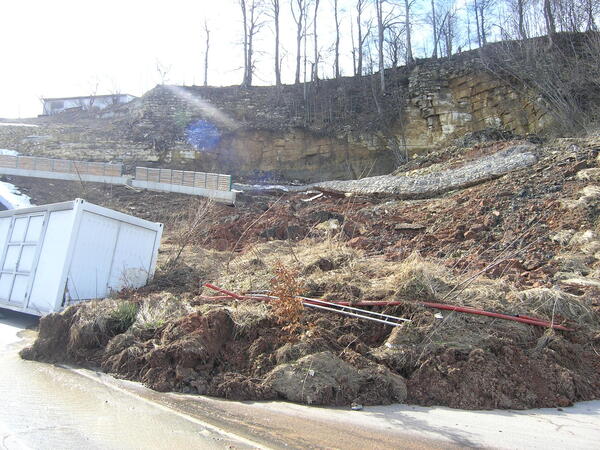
{"points": [[446, 101], [338, 129]]}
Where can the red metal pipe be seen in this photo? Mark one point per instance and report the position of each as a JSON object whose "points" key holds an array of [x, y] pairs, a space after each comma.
{"points": [[517, 318], [215, 297], [465, 309], [224, 291]]}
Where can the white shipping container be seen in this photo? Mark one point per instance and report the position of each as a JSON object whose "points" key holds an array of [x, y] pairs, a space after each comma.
{"points": [[55, 255]]}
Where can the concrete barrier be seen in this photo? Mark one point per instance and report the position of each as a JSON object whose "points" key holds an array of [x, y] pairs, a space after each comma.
{"points": [[227, 197], [62, 169], [211, 181], [212, 185]]}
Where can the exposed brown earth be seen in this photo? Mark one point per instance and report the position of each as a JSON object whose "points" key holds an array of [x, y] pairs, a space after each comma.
{"points": [[525, 243]]}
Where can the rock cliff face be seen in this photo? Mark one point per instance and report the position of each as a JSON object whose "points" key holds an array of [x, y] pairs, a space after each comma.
{"points": [[331, 129], [343, 129]]}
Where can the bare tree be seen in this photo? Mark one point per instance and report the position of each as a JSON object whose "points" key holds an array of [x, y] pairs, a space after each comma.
{"points": [[395, 45], [206, 47], [354, 68], [93, 93], [362, 37], [449, 27], [549, 18], [275, 11], [163, 71], [316, 62], [384, 23], [245, 25], [379, 11], [521, 19], [337, 38], [408, 4], [482, 8], [435, 30], [589, 7], [298, 8], [252, 11]]}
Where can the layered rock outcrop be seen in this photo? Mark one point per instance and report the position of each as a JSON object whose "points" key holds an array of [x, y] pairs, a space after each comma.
{"points": [[332, 129]]}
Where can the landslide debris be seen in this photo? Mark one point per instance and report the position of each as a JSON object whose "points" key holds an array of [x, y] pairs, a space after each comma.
{"points": [[523, 243]]}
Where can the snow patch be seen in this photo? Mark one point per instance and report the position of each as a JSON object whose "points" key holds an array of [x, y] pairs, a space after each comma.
{"points": [[6, 151], [12, 198], [15, 124]]}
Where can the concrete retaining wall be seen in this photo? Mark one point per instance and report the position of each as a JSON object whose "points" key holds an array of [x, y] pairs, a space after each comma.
{"points": [[212, 185], [211, 181], [227, 197], [62, 169]]}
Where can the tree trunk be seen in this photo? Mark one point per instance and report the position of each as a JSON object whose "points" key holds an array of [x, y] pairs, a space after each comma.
{"points": [[276, 19], [380, 44], [359, 64], [206, 30], [305, 62], [435, 31], [521, 14], [353, 46], [298, 21], [245, 23], [316, 67], [409, 54], [549, 18], [589, 7], [250, 49], [481, 17], [476, 8], [337, 39]]}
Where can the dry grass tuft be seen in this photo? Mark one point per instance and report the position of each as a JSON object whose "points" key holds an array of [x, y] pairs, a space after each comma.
{"points": [[159, 308], [416, 278], [249, 315], [549, 303]]}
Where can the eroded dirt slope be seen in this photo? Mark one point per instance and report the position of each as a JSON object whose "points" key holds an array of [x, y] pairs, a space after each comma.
{"points": [[525, 243]]}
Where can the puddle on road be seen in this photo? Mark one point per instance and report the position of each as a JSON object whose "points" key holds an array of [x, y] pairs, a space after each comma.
{"points": [[45, 406]]}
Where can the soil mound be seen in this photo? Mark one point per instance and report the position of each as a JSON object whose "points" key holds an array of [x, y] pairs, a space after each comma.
{"points": [[526, 243]]}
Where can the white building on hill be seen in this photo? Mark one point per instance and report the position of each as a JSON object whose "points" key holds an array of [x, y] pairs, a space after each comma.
{"points": [[57, 105]]}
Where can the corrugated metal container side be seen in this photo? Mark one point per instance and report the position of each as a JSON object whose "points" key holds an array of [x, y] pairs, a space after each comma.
{"points": [[59, 254]]}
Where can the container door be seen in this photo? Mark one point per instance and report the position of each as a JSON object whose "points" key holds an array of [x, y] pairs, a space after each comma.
{"points": [[19, 257]]}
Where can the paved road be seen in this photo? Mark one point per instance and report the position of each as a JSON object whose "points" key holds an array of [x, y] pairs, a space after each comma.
{"points": [[45, 406]]}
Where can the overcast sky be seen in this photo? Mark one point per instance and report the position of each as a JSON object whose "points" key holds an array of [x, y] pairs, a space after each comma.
{"points": [[58, 48]]}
